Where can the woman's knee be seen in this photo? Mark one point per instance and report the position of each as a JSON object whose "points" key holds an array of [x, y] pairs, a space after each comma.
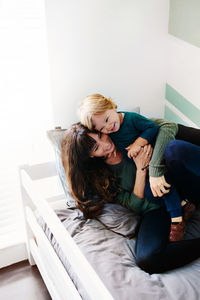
{"points": [[174, 151], [180, 154], [148, 263]]}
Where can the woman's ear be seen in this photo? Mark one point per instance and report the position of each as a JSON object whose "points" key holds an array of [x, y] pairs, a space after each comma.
{"points": [[91, 156]]}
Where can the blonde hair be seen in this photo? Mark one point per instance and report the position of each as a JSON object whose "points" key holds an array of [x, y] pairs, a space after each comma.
{"points": [[94, 104]]}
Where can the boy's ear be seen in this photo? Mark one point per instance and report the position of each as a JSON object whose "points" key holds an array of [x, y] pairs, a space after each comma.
{"points": [[91, 156]]}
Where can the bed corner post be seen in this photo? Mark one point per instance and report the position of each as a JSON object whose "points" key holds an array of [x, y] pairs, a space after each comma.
{"points": [[26, 202]]}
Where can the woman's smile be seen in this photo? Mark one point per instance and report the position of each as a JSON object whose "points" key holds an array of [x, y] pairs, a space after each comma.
{"points": [[110, 147]]}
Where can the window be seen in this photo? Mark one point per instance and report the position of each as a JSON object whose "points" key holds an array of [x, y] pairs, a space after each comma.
{"points": [[25, 106]]}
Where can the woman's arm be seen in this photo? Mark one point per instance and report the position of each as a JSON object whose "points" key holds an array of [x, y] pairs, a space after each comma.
{"points": [[157, 167], [134, 198], [140, 183], [141, 162], [167, 132]]}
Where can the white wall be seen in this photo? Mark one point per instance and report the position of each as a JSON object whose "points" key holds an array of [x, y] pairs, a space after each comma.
{"points": [[183, 71], [112, 47]]}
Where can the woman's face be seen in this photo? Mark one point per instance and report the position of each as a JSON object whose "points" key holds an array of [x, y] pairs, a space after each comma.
{"points": [[103, 146]]}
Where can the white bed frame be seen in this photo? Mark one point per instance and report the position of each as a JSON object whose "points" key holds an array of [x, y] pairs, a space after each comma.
{"points": [[35, 182]]}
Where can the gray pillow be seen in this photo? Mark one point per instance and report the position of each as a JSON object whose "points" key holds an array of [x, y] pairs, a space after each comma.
{"points": [[55, 136], [136, 110]]}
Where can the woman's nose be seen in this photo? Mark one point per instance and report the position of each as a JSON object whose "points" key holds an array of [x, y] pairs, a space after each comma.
{"points": [[104, 144]]}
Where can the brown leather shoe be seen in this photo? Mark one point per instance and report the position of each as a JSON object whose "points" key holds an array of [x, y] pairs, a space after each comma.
{"points": [[188, 210], [177, 232]]}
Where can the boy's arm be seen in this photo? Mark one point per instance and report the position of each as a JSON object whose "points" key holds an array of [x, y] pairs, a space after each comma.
{"points": [[148, 131], [141, 142], [135, 148]]}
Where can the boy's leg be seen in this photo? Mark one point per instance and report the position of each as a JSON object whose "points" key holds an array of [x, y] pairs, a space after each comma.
{"points": [[172, 202], [172, 199], [188, 134], [183, 162]]}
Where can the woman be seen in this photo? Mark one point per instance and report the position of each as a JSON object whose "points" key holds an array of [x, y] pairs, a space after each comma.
{"points": [[91, 182]]}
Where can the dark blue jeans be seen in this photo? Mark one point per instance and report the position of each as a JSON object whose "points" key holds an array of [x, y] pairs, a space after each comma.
{"points": [[154, 252], [172, 199], [183, 162]]}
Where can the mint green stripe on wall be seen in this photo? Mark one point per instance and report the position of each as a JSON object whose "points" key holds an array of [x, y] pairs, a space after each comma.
{"points": [[172, 116], [183, 105]]}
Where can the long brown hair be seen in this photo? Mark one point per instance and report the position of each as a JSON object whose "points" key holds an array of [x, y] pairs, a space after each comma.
{"points": [[90, 180]]}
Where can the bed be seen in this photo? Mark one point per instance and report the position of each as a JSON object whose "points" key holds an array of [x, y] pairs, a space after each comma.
{"points": [[92, 259]]}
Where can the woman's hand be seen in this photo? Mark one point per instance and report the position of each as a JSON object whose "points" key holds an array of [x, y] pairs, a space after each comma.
{"points": [[143, 158], [158, 186]]}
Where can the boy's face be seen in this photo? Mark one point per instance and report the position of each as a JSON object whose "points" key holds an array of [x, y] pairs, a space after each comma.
{"points": [[107, 122]]}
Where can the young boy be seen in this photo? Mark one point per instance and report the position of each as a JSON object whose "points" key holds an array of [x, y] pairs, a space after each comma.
{"points": [[130, 131]]}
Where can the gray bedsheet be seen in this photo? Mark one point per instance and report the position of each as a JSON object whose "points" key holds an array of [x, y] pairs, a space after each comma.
{"points": [[108, 244]]}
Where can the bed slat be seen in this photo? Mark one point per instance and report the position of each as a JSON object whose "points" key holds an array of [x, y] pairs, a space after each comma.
{"points": [[58, 272]]}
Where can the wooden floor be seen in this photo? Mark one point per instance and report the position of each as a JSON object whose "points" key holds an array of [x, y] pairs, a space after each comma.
{"points": [[22, 282]]}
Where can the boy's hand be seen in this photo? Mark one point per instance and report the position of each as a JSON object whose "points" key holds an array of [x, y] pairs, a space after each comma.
{"points": [[133, 150], [158, 186]]}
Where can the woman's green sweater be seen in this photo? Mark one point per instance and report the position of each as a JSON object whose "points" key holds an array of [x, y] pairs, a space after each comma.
{"points": [[167, 132], [126, 171]]}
